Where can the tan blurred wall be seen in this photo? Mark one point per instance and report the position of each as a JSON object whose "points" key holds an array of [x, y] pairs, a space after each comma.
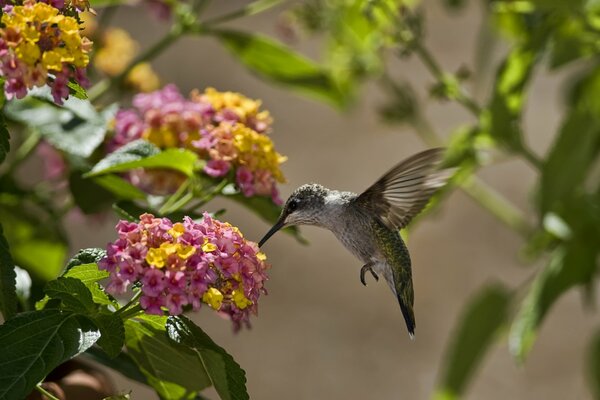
{"points": [[321, 334]]}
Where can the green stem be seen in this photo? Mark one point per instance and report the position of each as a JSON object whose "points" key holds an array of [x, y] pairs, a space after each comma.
{"points": [[478, 190], [44, 392], [131, 312], [24, 150], [102, 87], [133, 300], [175, 198], [530, 157], [211, 195]]}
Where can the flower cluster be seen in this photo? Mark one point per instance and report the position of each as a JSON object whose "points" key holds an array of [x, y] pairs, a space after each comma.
{"points": [[39, 45], [186, 264], [116, 52], [226, 129]]}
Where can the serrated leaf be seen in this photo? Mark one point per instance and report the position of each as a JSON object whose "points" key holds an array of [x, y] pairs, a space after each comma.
{"points": [[8, 295], [34, 343], [267, 210], [475, 332], [88, 256], [112, 333], [141, 154], [572, 264], [89, 274], [274, 61], [594, 365], [4, 138], [75, 128], [228, 378], [170, 369], [73, 294]]}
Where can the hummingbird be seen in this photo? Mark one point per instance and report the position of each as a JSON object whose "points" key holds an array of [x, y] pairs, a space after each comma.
{"points": [[368, 224]]}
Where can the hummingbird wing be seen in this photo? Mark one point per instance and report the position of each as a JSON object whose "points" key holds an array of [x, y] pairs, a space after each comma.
{"points": [[405, 189]]}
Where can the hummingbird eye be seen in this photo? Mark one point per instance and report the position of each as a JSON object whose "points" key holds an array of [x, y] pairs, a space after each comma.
{"points": [[292, 205]]}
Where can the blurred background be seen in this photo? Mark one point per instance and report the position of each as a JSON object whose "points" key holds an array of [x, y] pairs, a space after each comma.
{"points": [[320, 333]]}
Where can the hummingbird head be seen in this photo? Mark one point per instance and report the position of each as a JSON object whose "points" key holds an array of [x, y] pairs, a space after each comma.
{"points": [[303, 207]]}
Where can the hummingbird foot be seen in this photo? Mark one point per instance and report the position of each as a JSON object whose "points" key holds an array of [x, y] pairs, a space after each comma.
{"points": [[364, 269]]}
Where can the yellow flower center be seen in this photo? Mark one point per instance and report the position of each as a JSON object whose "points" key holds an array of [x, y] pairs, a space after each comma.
{"points": [[213, 297]]}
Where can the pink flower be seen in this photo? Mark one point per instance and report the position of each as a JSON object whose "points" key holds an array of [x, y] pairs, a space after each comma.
{"points": [[245, 181], [186, 264], [152, 305], [216, 168]]}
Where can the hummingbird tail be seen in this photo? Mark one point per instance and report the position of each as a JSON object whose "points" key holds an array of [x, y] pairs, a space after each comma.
{"points": [[409, 316]]}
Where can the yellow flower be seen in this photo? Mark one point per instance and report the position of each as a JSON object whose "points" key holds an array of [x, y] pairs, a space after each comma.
{"points": [[162, 137], [52, 60], [169, 248], [116, 53], [143, 78], [43, 12], [257, 151], [213, 297], [261, 256], [240, 300], [29, 32], [68, 25], [28, 51], [177, 230], [156, 257], [207, 247], [184, 252]]}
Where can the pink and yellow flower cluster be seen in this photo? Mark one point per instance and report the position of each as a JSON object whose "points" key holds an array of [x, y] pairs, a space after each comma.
{"points": [[186, 264], [39, 45], [226, 129]]}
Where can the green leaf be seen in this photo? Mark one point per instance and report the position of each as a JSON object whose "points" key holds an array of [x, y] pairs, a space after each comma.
{"points": [[509, 97], [8, 280], [267, 210], [4, 138], [575, 148], [76, 90], [119, 187], [34, 246], [481, 321], [572, 264], [73, 294], [112, 333], [34, 343], [88, 195], [170, 368], [75, 128], [89, 275], [122, 363], [272, 60], [594, 365], [228, 378], [141, 154], [88, 256]]}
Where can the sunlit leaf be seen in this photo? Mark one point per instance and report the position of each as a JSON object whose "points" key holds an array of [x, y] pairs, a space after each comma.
{"points": [[45, 340], [475, 332], [73, 294], [274, 61], [228, 378], [75, 128], [573, 264], [170, 368], [142, 154], [121, 188]]}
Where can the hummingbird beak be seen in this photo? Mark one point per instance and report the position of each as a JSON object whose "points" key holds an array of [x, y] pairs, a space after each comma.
{"points": [[278, 225]]}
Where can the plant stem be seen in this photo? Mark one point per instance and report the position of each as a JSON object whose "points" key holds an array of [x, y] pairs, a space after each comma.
{"points": [[44, 392], [102, 87], [478, 190], [211, 195], [131, 312], [133, 300], [24, 150], [175, 198]]}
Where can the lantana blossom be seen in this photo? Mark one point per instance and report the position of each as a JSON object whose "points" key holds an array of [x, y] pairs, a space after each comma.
{"points": [[187, 264], [226, 129], [40, 45]]}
